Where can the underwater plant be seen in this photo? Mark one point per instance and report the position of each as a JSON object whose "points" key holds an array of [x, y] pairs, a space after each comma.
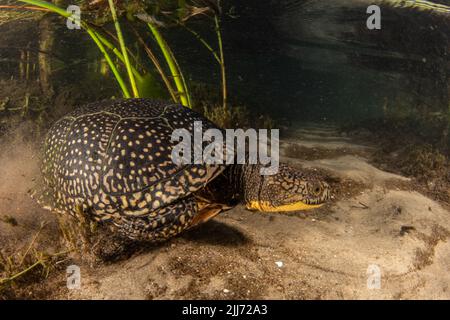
{"points": [[99, 40], [123, 48], [156, 15], [27, 264], [177, 13]]}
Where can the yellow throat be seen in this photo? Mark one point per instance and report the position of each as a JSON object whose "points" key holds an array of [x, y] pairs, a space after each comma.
{"points": [[267, 207]]}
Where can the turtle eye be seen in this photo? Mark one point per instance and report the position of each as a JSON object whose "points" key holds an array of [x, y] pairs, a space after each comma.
{"points": [[317, 190]]}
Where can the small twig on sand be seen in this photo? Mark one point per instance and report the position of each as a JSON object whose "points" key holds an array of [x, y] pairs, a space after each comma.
{"points": [[16, 268], [43, 224], [41, 261], [363, 206]]}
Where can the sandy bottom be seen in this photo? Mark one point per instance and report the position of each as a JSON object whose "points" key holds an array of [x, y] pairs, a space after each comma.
{"points": [[375, 223]]}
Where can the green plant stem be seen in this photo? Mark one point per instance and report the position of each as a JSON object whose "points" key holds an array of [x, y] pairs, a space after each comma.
{"points": [[17, 275], [111, 64], [119, 55], [218, 57], [202, 41], [133, 58], [156, 63], [173, 66], [34, 265], [186, 90], [123, 48], [31, 244], [48, 6], [222, 61], [92, 33]]}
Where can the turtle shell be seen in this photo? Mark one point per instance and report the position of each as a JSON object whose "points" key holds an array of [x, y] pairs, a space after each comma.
{"points": [[114, 158]]}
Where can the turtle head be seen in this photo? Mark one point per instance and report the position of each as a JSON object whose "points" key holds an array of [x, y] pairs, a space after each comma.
{"points": [[287, 190]]}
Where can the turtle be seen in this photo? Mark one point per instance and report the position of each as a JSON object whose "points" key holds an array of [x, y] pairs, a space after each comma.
{"points": [[112, 161]]}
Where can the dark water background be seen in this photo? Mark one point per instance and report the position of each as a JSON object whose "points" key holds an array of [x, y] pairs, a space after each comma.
{"points": [[320, 62]]}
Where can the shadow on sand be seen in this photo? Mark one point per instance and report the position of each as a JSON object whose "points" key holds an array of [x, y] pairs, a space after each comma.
{"points": [[217, 233], [210, 233]]}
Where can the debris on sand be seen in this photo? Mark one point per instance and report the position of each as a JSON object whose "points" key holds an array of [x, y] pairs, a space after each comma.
{"points": [[9, 220]]}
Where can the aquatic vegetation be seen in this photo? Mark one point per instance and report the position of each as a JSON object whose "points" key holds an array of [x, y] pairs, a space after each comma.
{"points": [[20, 14], [178, 13], [123, 48], [424, 162], [150, 13], [96, 37], [235, 116], [27, 264], [77, 235], [177, 75], [412, 148]]}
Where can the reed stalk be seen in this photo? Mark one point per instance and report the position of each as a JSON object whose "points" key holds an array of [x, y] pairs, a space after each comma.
{"points": [[123, 48], [222, 61], [119, 55], [219, 57], [158, 66], [202, 41], [92, 33], [174, 68], [111, 64]]}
